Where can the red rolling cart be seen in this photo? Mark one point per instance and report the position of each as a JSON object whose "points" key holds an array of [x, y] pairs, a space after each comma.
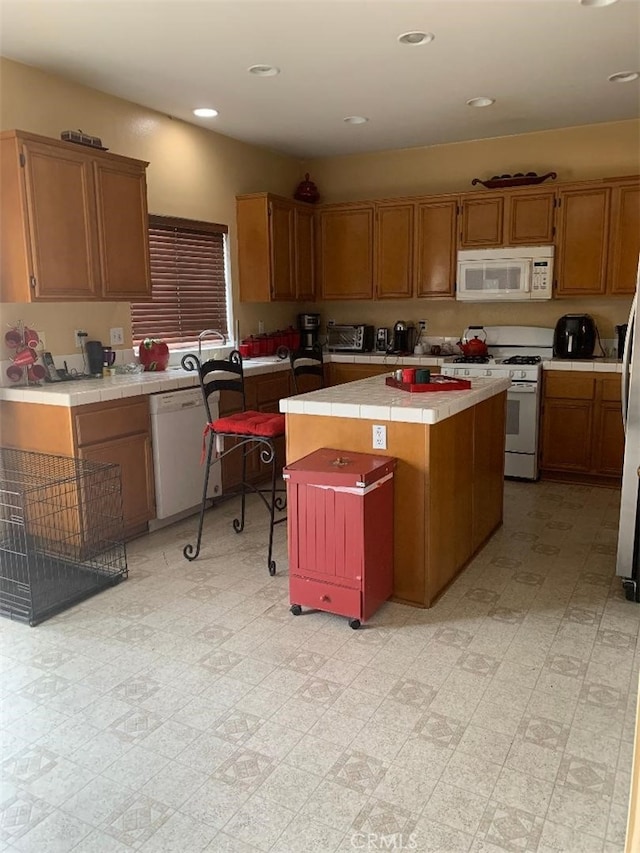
{"points": [[340, 530]]}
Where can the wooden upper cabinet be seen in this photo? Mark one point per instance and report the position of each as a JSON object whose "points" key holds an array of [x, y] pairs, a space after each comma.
{"points": [[583, 233], [394, 251], [435, 248], [518, 218], [482, 221], [529, 220], [73, 222], [281, 229], [305, 255], [60, 225], [275, 248], [123, 223], [624, 245], [345, 251]]}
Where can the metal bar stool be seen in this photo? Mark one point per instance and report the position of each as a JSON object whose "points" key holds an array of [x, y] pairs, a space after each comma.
{"points": [[307, 362], [253, 432]]}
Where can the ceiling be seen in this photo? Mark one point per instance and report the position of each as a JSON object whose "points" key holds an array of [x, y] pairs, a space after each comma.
{"points": [[546, 62]]}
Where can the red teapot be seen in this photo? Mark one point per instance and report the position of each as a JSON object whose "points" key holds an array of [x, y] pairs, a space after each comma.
{"points": [[474, 342]]}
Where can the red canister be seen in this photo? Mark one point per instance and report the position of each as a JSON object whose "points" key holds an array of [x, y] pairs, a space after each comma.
{"points": [[409, 375]]}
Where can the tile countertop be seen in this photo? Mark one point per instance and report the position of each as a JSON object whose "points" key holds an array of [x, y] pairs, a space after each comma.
{"points": [[86, 391], [371, 399]]}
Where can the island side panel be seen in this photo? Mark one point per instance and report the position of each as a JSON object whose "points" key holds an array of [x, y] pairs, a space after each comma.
{"points": [[449, 489], [407, 443], [488, 467]]}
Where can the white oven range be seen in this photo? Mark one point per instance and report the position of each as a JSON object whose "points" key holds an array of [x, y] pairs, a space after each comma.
{"points": [[516, 352]]}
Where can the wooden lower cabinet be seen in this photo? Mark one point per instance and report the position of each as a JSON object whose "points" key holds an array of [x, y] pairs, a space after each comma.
{"points": [[349, 372], [582, 433], [117, 431]]}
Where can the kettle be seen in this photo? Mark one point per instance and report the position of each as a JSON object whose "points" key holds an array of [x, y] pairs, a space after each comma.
{"points": [[472, 345]]}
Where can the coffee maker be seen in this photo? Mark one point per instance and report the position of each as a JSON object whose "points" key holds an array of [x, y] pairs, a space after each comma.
{"points": [[403, 337], [309, 326], [95, 357]]}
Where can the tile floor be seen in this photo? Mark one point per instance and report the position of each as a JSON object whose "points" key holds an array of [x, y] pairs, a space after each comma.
{"points": [[187, 709]]}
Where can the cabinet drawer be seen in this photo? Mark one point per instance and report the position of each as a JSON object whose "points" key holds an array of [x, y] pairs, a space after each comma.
{"points": [[325, 596], [107, 421], [273, 388], [612, 388], [571, 386]]}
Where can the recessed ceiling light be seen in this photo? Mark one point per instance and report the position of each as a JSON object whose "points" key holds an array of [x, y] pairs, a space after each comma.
{"points": [[480, 102], [205, 112], [598, 2], [624, 77], [355, 119], [416, 37], [263, 70]]}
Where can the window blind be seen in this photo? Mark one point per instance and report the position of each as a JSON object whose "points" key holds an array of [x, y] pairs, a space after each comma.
{"points": [[188, 281]]}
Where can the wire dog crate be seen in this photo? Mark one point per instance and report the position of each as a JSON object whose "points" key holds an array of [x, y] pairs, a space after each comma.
{"points": [[61, 532]]}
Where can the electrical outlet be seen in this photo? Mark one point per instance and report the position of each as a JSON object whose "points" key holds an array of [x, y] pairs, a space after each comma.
{"points": [[261, 327], [43, 340], [379, 437], [79, 335], [330, 323], [422, 325], [117, 336]]}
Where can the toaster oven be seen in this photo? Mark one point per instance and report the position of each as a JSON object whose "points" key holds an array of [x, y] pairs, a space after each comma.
{"points": [[351, 338]]}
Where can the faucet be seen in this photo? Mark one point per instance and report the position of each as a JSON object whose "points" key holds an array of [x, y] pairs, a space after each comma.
{"points": [[206, 333]]}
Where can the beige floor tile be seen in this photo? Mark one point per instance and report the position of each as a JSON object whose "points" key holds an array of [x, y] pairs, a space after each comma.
{"points": [[174, 784], [259, 822], [180, 833], [456, 807], [472, 773], [557, 838], [522, 792]]}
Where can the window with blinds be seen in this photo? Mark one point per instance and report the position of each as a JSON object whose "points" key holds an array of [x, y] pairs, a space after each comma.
{"points": [[188, 282]]}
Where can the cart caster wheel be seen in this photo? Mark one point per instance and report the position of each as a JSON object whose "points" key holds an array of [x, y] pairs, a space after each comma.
{"points": [[354, 623], [296, 609], [272, 568]]}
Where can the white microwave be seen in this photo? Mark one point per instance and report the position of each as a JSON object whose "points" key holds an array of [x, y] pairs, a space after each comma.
{"points": [[505, 275]]}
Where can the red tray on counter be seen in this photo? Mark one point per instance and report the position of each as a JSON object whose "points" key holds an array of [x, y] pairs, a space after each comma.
{"points": [[438, 383]]}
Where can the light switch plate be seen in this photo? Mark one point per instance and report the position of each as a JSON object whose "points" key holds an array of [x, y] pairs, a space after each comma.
{"points": [[117, 336]]}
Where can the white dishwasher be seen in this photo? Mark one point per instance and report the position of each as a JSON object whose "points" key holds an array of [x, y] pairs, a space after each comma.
{"points": [[178, 419]]}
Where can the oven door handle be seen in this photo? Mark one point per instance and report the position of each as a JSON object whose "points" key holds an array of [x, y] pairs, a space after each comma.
{"points": [[523, 387]]}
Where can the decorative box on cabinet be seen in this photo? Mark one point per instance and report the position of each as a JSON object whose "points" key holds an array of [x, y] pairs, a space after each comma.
{"points": [[582, 433], [275, 248], [340, 532], [73, 222]]}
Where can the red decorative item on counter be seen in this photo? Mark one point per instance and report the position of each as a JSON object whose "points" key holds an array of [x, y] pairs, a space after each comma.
{"points": [[307, 191], [153, 354], [437, 383]]}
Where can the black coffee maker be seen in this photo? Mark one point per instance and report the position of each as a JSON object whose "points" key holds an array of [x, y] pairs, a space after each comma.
{"points": [[309, 326], [403, 337], [574, 336], [95, 357]]}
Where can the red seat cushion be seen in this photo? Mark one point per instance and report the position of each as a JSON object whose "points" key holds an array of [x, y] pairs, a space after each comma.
{"points": [[264, 424]]}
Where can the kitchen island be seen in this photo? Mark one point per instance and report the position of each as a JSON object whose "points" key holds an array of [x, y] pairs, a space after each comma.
{"points": [[449, 480]]}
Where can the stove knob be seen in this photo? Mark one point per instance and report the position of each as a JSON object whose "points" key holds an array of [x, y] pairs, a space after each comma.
{"points": [[511, 373], [466, 373], [488, 373], [523, 374]]}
